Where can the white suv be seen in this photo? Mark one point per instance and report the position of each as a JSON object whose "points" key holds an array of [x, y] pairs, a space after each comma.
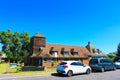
{"points": [[72, 67]]}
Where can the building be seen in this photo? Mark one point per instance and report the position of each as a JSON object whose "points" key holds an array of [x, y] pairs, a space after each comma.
{"points": [[46, 54]]}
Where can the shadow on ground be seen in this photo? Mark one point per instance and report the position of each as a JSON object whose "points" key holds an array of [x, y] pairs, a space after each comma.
{"points": [[60, 75]]}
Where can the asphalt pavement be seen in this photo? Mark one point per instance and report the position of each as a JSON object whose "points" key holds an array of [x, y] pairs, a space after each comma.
{"points": [[108, 75]]}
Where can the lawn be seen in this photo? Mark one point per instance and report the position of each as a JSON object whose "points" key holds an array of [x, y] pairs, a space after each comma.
{"points": [[36, 72], [4, 68]]}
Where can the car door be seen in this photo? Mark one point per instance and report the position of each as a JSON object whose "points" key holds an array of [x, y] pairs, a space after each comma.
{"points": [[103, 64], [81, 67], [106, 63], [111, 64], [74, 67]]}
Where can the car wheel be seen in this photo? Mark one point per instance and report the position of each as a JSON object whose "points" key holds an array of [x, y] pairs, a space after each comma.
{"points": [[102, 69], [70, 73], [114, 68], [88, 71]]}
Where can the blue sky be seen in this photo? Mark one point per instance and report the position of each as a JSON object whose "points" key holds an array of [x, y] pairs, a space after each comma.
{"points": [[73, 22]]}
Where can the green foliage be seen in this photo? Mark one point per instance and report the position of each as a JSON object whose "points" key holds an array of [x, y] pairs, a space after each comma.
{"points": [[111, 56], [0, 56], [118, 50], [15, 45], [52, 63], [118, 53], [2, 67], [0, 53]]}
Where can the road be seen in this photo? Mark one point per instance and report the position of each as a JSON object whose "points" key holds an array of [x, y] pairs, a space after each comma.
{"points": [[109, 75]]}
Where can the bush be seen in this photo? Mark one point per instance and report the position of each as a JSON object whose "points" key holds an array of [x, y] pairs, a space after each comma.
{"points": [[33, 68]]}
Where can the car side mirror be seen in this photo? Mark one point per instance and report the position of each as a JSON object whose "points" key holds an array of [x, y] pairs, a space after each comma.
{"points": [[84, 65]]}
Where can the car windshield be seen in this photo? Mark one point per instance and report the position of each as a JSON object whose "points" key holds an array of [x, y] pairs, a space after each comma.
{"points": [[118, 61], [93, 61], [63, 63]]}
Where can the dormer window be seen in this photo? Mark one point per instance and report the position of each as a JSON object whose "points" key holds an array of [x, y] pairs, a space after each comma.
{"points": [[54, 53], [95, 51], [75, 53], [65, 53], [99, 52]]}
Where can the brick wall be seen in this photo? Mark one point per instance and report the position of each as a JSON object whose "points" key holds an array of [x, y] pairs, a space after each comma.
{"points": [[49, 64]]}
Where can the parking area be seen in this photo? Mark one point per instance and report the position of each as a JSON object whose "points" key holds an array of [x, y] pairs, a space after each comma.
{"points": [[108, 75]]}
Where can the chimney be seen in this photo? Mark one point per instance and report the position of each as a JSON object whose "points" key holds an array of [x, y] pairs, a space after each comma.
{"points": [[89, 43], [89, 46]]}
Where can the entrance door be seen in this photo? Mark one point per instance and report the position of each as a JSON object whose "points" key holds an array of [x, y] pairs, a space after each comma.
{"points": [[39, 62]]}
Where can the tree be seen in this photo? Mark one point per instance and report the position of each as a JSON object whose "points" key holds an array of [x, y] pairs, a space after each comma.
{"points": [[111, 56], [0, 53], [0, 56], [118, 52], [25, 41], [6, 40], [15, 45]]}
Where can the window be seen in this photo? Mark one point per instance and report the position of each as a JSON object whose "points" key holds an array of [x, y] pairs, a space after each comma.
{"points": [[63, 63], [118, 61], [95, 51], [54, 53], [77, 64], [94, 61], [102, 61], [74, 63], [65, 53], [99, 52], [105, 61], [80, 64], [75, 53]]}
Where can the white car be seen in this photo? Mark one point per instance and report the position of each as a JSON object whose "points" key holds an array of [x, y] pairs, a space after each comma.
{"points": [[72, 67], [117, 63]]}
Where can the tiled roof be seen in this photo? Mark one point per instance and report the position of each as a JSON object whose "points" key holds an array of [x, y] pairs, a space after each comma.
{"points": [[82, 51], [38, 35]]}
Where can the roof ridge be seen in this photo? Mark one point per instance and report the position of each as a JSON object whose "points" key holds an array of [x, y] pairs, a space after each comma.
{"points": [[65, 45]]}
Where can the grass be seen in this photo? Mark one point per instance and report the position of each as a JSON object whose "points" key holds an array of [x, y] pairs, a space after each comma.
{"points": [[36, 72], [4, 68]]}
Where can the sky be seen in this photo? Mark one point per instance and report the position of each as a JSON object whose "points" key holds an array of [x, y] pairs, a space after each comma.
{"points": [[70, 22]]}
